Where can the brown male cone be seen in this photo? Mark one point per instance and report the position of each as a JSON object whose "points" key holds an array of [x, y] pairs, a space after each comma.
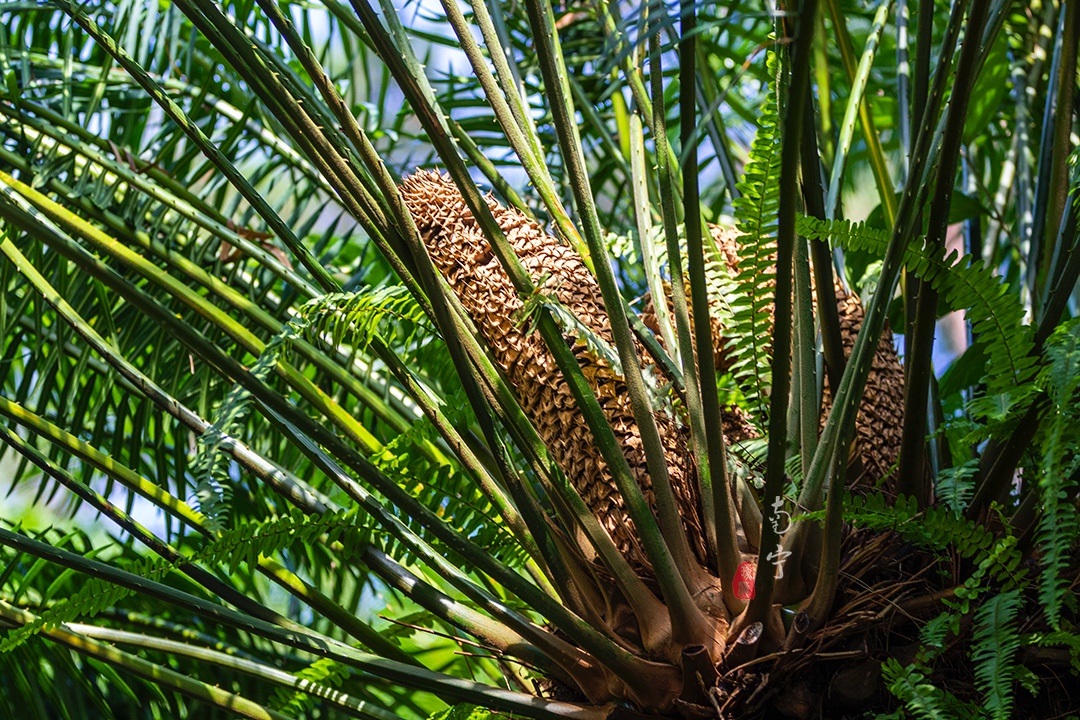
{"points": [[879, 424], [460, 251]]}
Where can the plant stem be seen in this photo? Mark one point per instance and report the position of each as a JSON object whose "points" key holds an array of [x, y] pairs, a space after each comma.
{"points": [[716, 487], [203, 692], [263, 469], [669, 551], [446, 687], [878, 162], [805, 385], [351, 706], [913, 477], [857, 106], [802, 42], [318, 272], [1054, 146]]}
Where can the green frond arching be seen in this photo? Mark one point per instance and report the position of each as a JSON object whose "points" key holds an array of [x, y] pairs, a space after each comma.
{"points": [[921, 698], [243, 543], [937, 527], [755, 218], [1059, 526], [166, 207], [356, 318], [996, 641], [45, 680], [209, 467], [934, 634], [440, 483], [995, 314], [911, 684]]}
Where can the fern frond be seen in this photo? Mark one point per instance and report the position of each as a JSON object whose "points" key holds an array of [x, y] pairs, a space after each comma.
{"points": [[933, 634], [937, 527], [355, 318], [1059, 638], [911, 687], [318, 679], [213, 487], [996, 315], [444, 487], [955, 485], [1059, 526], [464, 712], [1001, 564], [755, 218], [996, 642]]}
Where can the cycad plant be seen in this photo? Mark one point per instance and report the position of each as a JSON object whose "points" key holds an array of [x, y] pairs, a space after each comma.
{"points": [[549, 382]]}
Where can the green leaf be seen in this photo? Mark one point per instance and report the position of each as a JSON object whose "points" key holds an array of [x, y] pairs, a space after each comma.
{"points": [[464, 711], [996, 642], [990, 90]]}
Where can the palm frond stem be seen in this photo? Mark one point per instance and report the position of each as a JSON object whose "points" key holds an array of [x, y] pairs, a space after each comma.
{"points": [[716, 486], [446, 687], [669, 552], [913, 477], [200, 691], [318, 272], [802, 33]]}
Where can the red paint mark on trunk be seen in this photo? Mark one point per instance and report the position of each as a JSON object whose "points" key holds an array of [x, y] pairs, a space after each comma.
{"points": [[744, 581]]}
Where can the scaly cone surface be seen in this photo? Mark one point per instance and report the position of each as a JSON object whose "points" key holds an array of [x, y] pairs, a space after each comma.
{"points": [[459, 250], [879, 426]]}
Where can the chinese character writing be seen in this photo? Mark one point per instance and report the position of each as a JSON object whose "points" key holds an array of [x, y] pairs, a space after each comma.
{"points": [[778, 556]]}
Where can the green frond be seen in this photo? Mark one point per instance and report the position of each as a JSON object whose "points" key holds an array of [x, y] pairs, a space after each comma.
{"points": [[755, 218], [1067, 639], [243, 543], [933, 635], [995, 314], [921, 698], [1059, 526], [324, 672], [441, 484], [1000, 564], [996, 642], [355, 318], [181, 184], [464, 712], [937, 527], [210, 466], [955, 485]]}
